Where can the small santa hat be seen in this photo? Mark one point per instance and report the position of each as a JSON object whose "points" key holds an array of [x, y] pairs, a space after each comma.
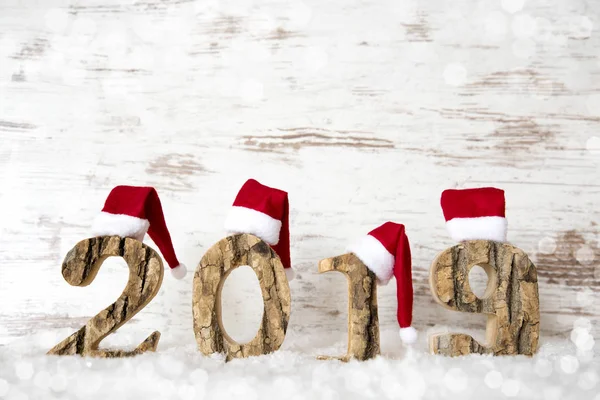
{"points": [[473, 214], [386, 251], [131, 211], [264, 212]]}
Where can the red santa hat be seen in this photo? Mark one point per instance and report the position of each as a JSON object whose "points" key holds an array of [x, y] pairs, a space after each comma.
{"points": [[131, 211], [386, 251], [264, 212], [473, 214]]}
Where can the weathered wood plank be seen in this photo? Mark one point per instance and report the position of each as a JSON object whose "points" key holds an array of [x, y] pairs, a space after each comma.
{"points": [[362, 112]]}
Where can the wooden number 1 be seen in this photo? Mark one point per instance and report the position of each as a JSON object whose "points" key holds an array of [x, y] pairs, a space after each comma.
{"points": [[217, 263], [145, 277], [363, 321], [511, 300]]}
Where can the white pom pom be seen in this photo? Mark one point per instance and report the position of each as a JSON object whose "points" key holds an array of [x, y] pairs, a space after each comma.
{"points": [[179, 271], [408, 335], [290, 274]]}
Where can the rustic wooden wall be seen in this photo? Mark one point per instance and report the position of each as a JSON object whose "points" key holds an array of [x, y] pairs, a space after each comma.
{"points": [[363, 110]]}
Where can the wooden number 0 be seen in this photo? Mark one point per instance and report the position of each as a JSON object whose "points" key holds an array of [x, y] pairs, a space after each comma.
{"points": [[511, 299], [145, 277], [363, 321], [217, 263]]}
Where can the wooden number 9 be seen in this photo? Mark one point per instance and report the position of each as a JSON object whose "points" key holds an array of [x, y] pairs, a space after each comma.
{"points": [[217, 263], [511, 300], [145, 277]]}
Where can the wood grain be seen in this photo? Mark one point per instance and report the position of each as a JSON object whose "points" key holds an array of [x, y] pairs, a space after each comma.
{"points": [[218, 262], [81, 266], [363, 320], [348, 106], [511, 299]]}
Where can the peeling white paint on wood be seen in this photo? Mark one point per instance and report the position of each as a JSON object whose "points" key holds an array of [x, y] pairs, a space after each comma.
{"points": [[364, 111]]}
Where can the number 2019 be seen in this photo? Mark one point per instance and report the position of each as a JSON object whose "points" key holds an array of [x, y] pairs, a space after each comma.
{"points": [[511, 301]]}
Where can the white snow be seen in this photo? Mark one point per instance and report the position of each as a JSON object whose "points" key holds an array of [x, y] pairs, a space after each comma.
{"points": [[176, 371], [493, 379], [512, 6], [511, 387]]}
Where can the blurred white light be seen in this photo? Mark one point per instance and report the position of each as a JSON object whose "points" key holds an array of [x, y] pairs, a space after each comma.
{"points": [[543, 368], [199, 377], [523, 47], [585, 255], [569, 364], [251, 90], [493, 379], [315, 59], [4, 387], [523, 25], [547, 245], [456, 380], [24, 370], [511, 387], [585, 297], [495, 24], [58, 383], [512, 6], [57, 20], [583, 322], [391, 387], [581, 27], [592, 103], [42, 380], [455, 74], [588, 380]]}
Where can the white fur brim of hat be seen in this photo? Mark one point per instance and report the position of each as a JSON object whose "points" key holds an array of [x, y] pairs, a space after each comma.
{"points": [[482, 228], [375, 256], [247, 220], [107, 224]]}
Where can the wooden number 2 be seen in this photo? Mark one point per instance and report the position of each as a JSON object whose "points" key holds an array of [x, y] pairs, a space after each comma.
{"points": [[363, 321], [217, 263], [511, 299], [145, 277]]}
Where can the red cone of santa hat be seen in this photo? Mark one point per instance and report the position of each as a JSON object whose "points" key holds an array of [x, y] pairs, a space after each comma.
{"points": [[131, 211], [386, 251], [264, 212], [473, 214]]}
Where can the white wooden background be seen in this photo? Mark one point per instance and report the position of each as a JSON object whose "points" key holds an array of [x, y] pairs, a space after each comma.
{"points": [[364, 111]]}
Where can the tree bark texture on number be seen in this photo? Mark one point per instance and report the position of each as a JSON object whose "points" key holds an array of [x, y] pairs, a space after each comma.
{"points": [[80, 267], [216, 264], [511, 300], [363, 320]]}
